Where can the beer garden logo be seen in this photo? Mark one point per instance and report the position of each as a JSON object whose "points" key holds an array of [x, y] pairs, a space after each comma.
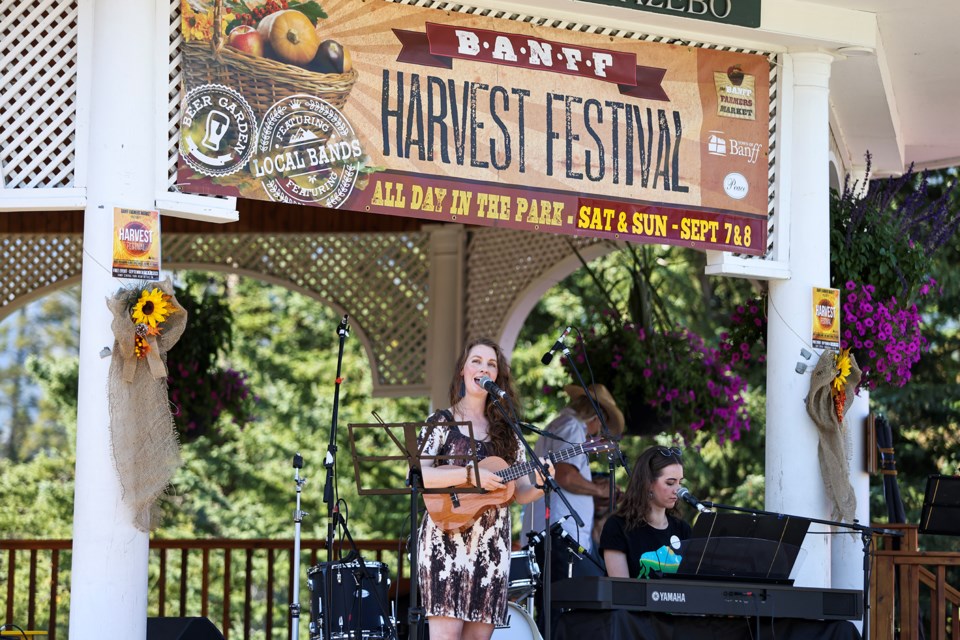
{"points": [[218, 131]]}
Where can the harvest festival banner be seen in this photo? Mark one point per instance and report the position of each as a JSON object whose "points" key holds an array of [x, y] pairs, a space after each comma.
{"points": [[384, 108]]}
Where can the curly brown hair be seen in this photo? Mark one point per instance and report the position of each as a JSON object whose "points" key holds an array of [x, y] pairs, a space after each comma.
{"points": [[503, 442], [636, 500]]}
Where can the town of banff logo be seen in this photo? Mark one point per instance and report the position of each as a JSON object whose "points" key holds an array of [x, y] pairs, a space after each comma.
{"points": [[308, 153], [719, 145], [218, 131]]}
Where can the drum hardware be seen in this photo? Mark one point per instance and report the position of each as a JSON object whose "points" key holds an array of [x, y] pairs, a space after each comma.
{"points": [[297, 519], [518, 626], [524, 575], [357, 607]]}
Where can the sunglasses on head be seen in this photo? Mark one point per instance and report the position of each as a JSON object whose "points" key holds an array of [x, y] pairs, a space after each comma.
{"points": [[670, 452]]}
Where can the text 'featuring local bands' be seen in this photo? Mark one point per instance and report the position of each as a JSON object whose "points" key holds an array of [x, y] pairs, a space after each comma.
{"points": [[560, 212]]}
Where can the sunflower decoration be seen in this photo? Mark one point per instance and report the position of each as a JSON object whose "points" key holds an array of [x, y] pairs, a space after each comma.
{"points": [[838, 388], [147, 321], [151, 309]]}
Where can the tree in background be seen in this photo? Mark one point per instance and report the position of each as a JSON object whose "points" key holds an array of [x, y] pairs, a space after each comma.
{"points": [[28, 419], [37, 461], [925, 414], [659, 284]]}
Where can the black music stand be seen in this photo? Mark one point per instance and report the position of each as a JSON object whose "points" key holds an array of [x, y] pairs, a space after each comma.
{"points": [[941, 506], [410, 452], [749, 547]]}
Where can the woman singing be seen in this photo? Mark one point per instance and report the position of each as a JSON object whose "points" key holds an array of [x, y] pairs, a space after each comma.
{"points": [[463, 575]]}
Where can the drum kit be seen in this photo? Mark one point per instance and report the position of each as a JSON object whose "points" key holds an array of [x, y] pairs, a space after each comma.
{"points": [[523, 582], [357, 603], [360, 596]]}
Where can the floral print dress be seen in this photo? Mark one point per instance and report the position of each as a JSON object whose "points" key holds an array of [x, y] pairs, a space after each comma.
{"points": [[464, 574]]}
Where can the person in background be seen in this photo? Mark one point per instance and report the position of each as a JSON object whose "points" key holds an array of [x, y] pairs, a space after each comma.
{"points": [[463, 575], [640, 539], [575, 424]]}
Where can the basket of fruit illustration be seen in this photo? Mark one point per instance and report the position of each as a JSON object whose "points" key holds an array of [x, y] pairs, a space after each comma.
{"points": [[268, 53]]}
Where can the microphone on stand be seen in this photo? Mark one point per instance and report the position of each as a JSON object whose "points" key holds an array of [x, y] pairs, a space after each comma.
{"points": [[491, 387], [557, 346], [684, 494], [534, 539], [569, 542]]}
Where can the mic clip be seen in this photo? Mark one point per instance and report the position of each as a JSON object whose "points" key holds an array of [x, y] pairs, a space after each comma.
{"points": [[541, 432]]}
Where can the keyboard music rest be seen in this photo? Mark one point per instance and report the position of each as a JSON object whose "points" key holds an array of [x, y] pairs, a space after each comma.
{"points": [[691, 597]]}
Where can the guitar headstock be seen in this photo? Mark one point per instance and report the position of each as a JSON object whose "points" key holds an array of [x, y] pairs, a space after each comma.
{"points": [[598, 445]]}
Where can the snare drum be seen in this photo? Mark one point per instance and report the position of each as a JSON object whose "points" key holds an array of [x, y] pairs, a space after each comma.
{"points": [[358, 610], [520, 625], [524, 575]]}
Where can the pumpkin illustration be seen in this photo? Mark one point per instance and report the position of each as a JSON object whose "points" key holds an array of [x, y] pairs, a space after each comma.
{"points": [[291, 35]]}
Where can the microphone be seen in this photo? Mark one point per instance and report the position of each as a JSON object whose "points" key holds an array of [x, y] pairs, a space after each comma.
{"points": [[534, 539], [557, 346], [684, 494], [569, 542], [491, 387]]}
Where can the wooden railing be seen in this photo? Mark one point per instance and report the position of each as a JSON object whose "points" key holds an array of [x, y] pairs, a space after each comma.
{"points": [[911, 599], [244, 586]]}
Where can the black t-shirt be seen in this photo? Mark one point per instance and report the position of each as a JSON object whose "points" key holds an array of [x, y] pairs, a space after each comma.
{"points": [[648, 550]]}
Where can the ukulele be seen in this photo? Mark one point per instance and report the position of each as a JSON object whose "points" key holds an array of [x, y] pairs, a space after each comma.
{"points": [[456, 512]]}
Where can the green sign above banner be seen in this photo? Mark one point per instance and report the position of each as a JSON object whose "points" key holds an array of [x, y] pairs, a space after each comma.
{"points": [[744, 13]]}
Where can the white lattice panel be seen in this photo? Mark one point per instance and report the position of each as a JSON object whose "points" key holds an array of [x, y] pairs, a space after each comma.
{"points": [[380, 280], [38, 93], [173, 92], [29, 264], [493, 285]]}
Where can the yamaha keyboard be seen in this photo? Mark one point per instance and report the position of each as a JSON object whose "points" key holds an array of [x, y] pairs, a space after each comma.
{"points": [[694, 597]]}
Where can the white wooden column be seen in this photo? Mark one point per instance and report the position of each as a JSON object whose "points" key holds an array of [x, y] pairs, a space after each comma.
{"points": [[793, 481], [445, 314], [846, 567], [108, 592]]}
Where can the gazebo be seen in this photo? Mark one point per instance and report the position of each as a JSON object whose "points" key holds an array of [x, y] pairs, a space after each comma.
{"points": [[92, 115]]}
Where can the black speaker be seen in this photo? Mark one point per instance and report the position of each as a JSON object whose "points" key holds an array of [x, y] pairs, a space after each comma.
{"points": [[182, 629], [941, 506]]}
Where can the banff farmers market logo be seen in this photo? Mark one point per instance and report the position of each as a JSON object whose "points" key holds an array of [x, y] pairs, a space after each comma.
{"points": [[308, 153], [218, 130]]}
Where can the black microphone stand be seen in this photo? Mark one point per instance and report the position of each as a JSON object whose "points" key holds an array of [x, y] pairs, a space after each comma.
{"points": [[866, 536], [415, 612], [549, 487], [330, 462], [614, 456]]}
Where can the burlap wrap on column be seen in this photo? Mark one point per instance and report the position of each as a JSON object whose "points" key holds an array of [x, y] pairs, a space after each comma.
{"points": [[142, 433], [831, 449]]}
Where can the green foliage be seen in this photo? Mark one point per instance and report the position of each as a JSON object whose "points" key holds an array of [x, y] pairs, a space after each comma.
{"points": [[201, 389], [30, 421], [242, 484], [37, 496], [678, 294], [664, 376], [886, 233]]}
